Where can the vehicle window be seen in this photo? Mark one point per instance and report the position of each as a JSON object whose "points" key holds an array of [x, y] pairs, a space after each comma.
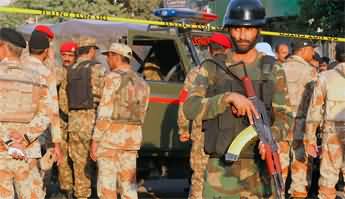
{"points": [[162, 62]]}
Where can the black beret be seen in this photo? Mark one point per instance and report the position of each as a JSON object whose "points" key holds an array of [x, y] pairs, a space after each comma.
{"points": [[38, 41], [13, 37]]}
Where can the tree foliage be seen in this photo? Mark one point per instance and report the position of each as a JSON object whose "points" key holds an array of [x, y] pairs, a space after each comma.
{"points": [[142, 8], [326, 17], [92, 7]]}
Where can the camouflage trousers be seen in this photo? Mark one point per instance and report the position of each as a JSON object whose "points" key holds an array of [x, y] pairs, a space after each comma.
{"points": [[116, 167], [198, 162], [285, 158], [65, 171], [243, 179], [332, 163], [21, 177], [299, 170], [80, 129]]}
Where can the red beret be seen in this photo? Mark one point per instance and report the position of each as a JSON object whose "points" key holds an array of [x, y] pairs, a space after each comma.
{"points": [[46, 30], [221, 40], [68, 46]]}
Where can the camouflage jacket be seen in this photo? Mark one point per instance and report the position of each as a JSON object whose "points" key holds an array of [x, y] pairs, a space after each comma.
{"points": [[63, 100], [37, 65], [327, 106], [301, 77], [37, 125], [182, 121], [198, 105], [110, 133]]}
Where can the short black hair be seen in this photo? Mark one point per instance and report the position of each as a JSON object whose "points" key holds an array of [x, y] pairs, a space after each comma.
{"points": [[36, 51], [325, 60], [278, 46], [84, 50]]}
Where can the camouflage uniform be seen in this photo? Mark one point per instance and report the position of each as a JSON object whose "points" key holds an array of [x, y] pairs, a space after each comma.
{"points": [[151, 72], [119, 139], [24, 175], [198, 158], [38, 66], [300, 77], [80, 127], [327, 109], [65, 171], [243, 178]]}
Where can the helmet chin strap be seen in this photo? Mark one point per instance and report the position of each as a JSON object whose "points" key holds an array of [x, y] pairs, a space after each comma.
{"points": [[241, 50]]}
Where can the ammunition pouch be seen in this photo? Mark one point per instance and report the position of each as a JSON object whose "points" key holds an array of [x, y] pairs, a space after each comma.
{"points": [[222, 130]]}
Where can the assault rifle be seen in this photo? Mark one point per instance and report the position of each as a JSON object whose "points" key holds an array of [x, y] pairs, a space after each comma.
{"points": [[261, 128]]}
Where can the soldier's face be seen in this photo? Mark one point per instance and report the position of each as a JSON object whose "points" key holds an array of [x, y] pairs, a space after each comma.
{"points": [[308, 53], [68, 58], [282, 52], [93, 52], [323, 66], [113, 60], [244, 38]]}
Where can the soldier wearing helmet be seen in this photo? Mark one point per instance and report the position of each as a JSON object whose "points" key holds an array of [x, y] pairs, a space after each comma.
{"points": [[219, 100]]}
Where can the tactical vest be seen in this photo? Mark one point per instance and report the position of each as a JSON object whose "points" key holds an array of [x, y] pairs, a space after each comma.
{"points": [[335, 99], [19, 93], [130, 100], [79, 88], [222, 130]]}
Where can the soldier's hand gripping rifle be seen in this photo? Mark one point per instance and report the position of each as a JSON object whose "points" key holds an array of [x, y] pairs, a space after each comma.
{"points": [[261, 128]]}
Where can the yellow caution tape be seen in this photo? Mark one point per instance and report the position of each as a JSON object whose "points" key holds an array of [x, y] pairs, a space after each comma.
{"points": [[12, 10], [302, 36]]}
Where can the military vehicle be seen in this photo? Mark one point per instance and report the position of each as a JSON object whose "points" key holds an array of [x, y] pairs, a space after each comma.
{"points": [[175, 51]]}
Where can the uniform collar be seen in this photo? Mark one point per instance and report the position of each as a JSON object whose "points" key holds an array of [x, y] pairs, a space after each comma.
{"points": [[34, 59], [81, 59], [122, 69], [300, 59]]}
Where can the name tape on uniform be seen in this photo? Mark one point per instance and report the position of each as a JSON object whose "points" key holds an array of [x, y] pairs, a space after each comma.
{"points": [[15, 10]]}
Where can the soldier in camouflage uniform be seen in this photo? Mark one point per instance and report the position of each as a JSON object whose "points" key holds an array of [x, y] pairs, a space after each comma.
{"points": [[118, 132], [50, 62], [215, 98], [327, 109], [151, 72], [24, 116], [83, 90], [218, 45], [68, 51], [53, 134], [300, 76]]}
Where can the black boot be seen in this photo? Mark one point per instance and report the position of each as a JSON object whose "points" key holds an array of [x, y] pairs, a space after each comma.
{"points": [[69, 194]]}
